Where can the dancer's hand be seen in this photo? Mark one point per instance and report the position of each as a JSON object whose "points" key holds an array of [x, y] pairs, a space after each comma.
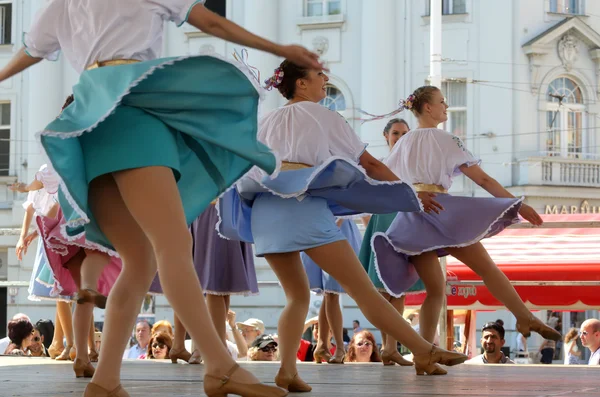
{"points": [[302, 57], [20, 248], [530, 215], [429, 204], [29, 239], [18, 187]]}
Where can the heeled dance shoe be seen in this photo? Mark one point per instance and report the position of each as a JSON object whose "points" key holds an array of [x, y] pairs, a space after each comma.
{"points": [[83, 370], [293, 384], [179, 355], [65, 355], [93, 390], [215, 386], [532, 323], [91, 296], [395, 358], [322, 354], [196, 358], [337, 358], [428, 363], [54, 351], [93, 356]]}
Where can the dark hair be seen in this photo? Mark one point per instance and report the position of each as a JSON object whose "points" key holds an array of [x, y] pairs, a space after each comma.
{"points": [[18, 330], [291, 74], [496, 327], [422, 95], [46, 329], [500, 322], [356, 321], [388, 126], [160, 337]]}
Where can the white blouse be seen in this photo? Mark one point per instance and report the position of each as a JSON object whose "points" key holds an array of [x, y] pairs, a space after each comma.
{"points": [[42, 200], [430, 156], [306, 132], [99, 30]]}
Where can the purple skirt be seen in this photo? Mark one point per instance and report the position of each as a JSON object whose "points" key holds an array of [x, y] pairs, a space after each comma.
{"points": [[224, 267], [464, 221]]}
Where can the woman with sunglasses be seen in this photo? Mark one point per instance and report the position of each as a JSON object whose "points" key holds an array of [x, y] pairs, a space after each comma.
{"points": [[363, 349], [159, 347], [20, 333]]}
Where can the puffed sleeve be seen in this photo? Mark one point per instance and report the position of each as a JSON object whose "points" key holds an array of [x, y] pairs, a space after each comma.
{"points": [[42, 39], [49, 179], [176, 11], [343, 141], [457, 154]]}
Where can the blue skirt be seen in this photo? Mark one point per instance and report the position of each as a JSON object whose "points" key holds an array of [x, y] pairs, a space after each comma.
{"points": [[320, 281], [464, 221], [43, 288], [341, 183], [290, 225], [196, 115]]}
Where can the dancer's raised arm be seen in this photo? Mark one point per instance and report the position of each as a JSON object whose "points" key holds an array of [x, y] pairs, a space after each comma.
{"points": [[493, 187], [17, 64], [213, 24]]}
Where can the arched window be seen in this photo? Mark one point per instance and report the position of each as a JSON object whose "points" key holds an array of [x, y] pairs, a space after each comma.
{"points": [[565, 118], [334, 100]]}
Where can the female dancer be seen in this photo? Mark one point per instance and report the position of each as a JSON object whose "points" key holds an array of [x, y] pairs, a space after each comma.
{"points": [[283, 227], [330, 313], [145, 146], [42, 286], [430, 158], [393, 131], [225, 268], [79, 269]]}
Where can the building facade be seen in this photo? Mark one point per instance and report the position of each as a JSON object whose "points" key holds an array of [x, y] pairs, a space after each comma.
{"points": [[521, 78]]}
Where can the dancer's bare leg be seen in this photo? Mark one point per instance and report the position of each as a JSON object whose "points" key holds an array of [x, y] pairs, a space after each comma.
{"points": [[91, 269], [339, 260], [477, 258], [66, 320], [217, 307], [290, 271], [57, 345], [321, 352], [179, 351], [428, 267], [335, 320], [390, 345], [146, 203]]}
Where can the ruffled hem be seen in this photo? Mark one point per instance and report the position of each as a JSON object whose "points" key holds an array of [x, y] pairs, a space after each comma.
{"points": [[83, 218], [321, 168], [480, 237]]}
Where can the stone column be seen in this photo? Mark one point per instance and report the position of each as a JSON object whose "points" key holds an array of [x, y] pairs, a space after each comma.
{"points": [[378, 69]]}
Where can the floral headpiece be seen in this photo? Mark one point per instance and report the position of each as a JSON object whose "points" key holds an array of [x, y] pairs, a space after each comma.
{"points": [[275, 80], [408, 102]]}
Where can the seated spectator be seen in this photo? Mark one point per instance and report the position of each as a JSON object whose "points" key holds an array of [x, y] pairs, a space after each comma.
{"points": [[37, 348], [162, 326], [143, 334], [492, 340], [20, 333], [46, 330], [4, 342], [251, 329], [264, 348], [159, 346], [362, 349]]}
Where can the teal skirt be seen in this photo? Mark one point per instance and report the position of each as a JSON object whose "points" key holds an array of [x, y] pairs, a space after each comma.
{"points": [[379, 223], [196, 115]]}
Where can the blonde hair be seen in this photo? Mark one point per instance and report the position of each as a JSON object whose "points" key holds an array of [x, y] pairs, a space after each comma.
{"points": [[162, 324], [421, 96], [572, 334]]}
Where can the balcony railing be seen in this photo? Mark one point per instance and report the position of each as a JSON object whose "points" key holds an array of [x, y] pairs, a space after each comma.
{"points": [[559, 172]]}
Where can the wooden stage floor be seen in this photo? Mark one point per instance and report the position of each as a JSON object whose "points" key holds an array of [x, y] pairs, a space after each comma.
{"points": [[33, 377]]}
